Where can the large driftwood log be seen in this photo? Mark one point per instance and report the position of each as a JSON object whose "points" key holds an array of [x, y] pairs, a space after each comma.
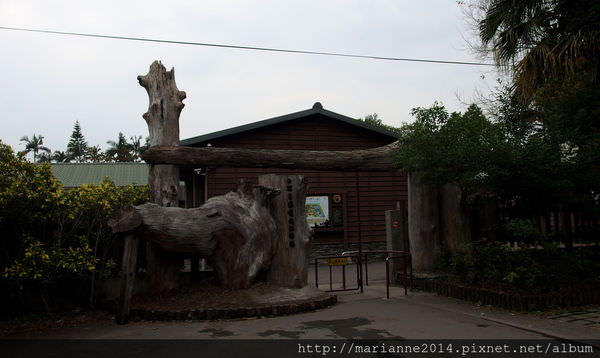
{"points": [[236, 231], [165, 105], [375, 159], [293, 236]]}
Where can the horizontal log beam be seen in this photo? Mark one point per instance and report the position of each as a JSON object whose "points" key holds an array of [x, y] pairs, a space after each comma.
{"points": [[376, 159]]}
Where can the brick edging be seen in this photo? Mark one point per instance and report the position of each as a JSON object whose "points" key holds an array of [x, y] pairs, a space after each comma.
{"points": [[511, 301], [233, 313]]}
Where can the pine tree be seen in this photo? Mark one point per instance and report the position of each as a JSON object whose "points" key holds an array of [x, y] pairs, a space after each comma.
{"points": [[77, 149]]}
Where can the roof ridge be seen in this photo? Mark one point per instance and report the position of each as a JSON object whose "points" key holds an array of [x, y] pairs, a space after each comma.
{"points": [[317, 108]]}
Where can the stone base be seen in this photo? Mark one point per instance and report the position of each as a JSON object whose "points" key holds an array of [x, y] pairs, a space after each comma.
{"points": [[212, 303]]}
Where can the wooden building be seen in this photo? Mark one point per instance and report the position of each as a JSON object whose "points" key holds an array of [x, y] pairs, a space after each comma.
{"points": [[344, 205]]}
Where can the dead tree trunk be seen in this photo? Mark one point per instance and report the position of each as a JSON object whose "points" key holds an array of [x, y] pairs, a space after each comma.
{"points": [[293, 235], [375, 159], [236, 231], [423, 223], [163, 125]]}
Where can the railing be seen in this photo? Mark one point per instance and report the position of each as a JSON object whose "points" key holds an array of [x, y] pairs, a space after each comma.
{"points": [[340, 260], [406, 275], [361, 259]]}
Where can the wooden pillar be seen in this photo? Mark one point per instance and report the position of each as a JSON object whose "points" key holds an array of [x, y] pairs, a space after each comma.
{"points": [[128, 277], [396, 232], [163, 125], [289, 267], [454, 217], [423, 224]]}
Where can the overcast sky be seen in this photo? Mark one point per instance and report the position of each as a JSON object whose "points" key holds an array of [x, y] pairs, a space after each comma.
{"points": [[50, 81]]}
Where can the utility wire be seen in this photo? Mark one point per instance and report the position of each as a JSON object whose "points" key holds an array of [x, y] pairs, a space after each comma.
{"points": [[247, 47]]}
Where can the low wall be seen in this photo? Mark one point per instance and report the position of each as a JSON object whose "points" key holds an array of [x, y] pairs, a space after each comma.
{"points": [[509, 300]]}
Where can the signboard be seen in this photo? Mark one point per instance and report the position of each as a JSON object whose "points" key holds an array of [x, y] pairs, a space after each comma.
{"points": [[338, 261], [317, 211]]}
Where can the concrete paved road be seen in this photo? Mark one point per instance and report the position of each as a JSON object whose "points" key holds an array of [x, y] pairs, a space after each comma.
{"points": [[356, 316], [418, 315], [367, 317]]}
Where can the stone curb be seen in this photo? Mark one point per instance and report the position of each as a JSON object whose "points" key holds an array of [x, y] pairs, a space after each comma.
{"points": [[203, 314]]}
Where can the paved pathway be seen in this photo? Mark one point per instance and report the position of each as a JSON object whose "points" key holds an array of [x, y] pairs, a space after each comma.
{"points": [[366, 316], [369, 315]]}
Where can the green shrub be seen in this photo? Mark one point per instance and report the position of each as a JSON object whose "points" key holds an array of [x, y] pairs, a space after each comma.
{"points": [[50, 234], [498, 266]]}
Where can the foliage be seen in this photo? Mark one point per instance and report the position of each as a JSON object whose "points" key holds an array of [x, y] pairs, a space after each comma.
{"points": [[447, 147], [95, 154], [510, 156], [523, 230], [539, 40], [497, 266], [77, 149], [61, 157], [120, 150], [374, 120], [35, 144], [52, 234], [45, 265]]}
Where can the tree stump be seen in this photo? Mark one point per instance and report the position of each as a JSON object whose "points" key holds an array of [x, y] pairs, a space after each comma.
{"points": [[292, 241], [165, 105]]}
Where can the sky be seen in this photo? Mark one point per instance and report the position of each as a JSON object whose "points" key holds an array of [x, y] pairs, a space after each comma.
{"points": [[50, 81]]}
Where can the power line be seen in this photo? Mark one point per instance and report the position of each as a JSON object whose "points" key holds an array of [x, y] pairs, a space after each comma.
{"points": [[254, 48]]}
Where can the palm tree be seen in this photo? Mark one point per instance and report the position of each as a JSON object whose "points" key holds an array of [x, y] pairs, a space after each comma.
{"points": [[136, 147], [95, 154], [35, 144], [120, 151], [44, 158], [61, 157], [541, 40]]}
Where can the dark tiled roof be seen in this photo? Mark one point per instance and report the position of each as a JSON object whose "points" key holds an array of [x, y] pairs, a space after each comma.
{"points": [[316, 109]]}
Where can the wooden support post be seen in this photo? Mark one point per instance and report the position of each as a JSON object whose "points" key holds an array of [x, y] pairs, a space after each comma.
{"points": [[163, 125], [289, 267], [128, 277], [423, 223], [396, 232], [454, 217]]}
